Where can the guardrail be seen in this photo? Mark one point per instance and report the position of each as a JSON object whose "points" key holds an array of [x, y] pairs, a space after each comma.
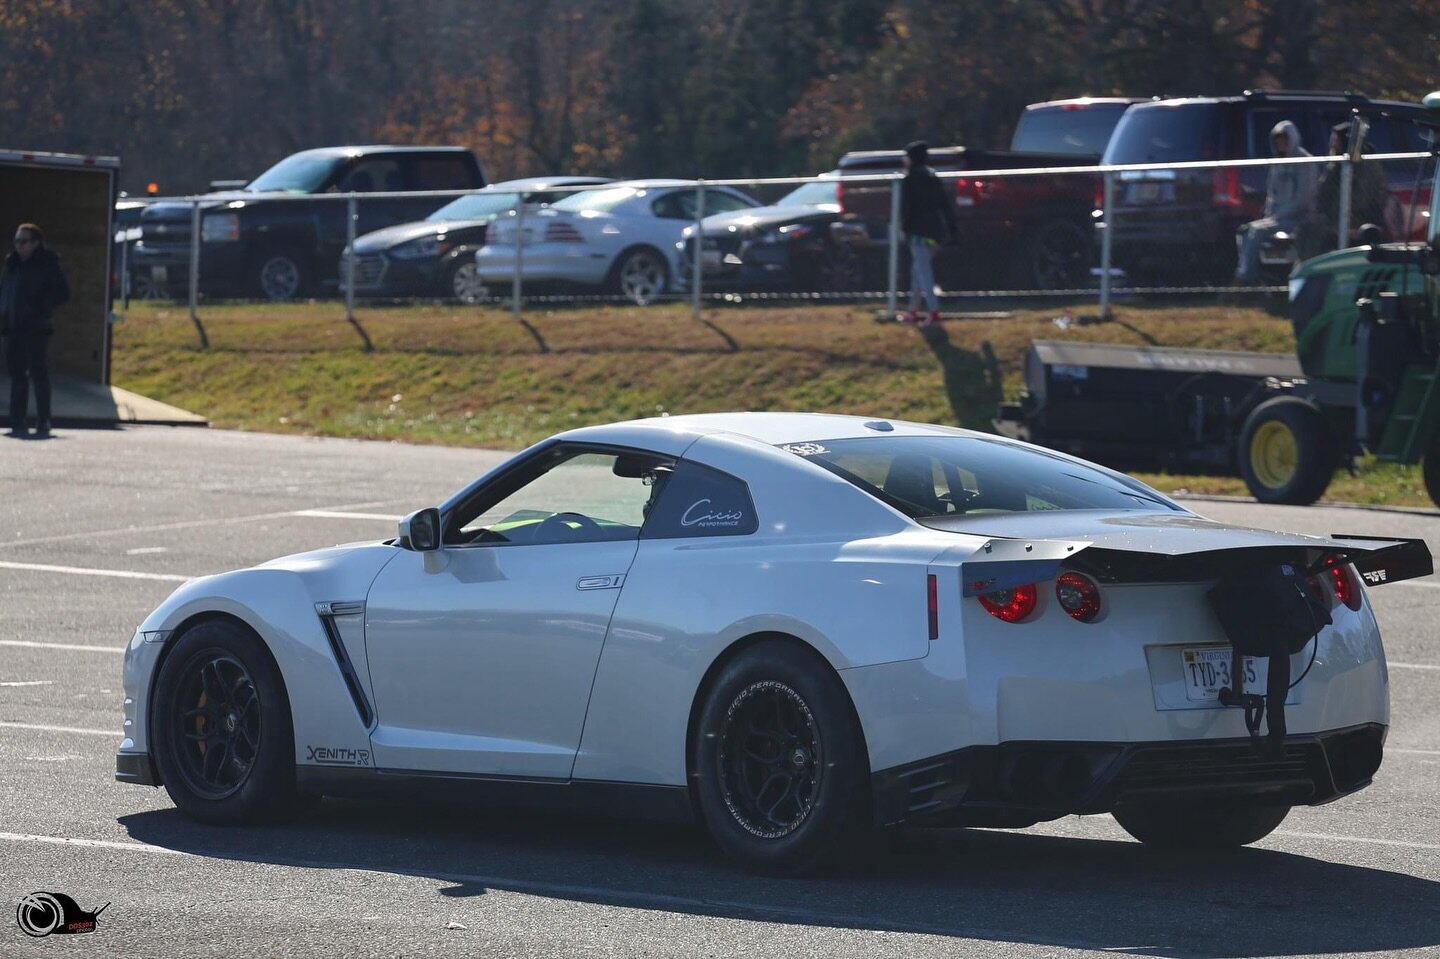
{"points": [[1107, 177]]}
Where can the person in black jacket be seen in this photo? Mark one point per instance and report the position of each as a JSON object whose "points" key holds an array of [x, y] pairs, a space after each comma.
{"points": [[928, 218], [31, 287]]}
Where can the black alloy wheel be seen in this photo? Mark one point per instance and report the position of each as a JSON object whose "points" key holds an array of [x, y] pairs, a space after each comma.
{"points": [[771, 759], [780, 770], [220, 727], [1058, 256]]}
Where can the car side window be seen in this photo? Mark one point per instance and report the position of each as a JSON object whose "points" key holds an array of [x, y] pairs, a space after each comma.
{"points": [[694, 500], [442, 172], [675, 205], [569, 495], [717, 202], [376, 175]]}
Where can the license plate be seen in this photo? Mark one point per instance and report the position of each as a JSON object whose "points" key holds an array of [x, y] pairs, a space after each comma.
{"points": [[158, 274], [1207, 671], [1144, 192]]}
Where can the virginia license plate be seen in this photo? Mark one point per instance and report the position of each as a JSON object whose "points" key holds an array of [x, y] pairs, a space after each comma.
{"points": [[1207, 671]]}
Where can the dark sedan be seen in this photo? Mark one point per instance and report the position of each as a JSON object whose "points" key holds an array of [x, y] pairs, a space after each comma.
{"points": [[802, 243], [436, 256]]}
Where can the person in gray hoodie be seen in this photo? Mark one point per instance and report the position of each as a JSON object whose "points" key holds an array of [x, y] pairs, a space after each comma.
{"points": [[1289, 200]]}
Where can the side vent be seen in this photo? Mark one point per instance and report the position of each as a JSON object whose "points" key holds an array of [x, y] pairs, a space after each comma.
{"points": [[328, 612]]}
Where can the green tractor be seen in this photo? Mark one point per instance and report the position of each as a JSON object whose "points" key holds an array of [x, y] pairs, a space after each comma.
{"points": [[1367, 336]]}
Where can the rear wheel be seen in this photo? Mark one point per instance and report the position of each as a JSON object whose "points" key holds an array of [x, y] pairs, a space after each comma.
{"points": [[1057, 257], [281, 275], [780, 768], [641, 276], [222, 735], [1286, 454], [1214, 824]]}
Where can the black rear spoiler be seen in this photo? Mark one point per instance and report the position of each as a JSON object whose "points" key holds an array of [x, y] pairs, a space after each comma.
{"points": [[1387, 559]]}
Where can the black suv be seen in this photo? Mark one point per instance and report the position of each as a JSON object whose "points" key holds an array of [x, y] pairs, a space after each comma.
{"points": [[1172, 226], [253, 245]]}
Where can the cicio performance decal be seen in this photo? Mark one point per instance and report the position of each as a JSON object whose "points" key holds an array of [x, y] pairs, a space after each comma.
{"points": [[42, 914], [700, 513]]}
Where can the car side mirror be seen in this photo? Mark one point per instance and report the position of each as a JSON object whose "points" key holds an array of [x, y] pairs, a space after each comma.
{"points": [[420, 530]]}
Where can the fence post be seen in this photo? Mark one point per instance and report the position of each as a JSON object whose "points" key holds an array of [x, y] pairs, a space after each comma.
{"points": [[352, 215], [892, 297], [195, 273], [696, 261], [519, 259], [124, 271], [1347, 173], [1107, 204]]}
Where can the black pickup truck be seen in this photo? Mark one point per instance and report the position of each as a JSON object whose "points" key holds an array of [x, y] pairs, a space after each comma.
{"points": [[254, 244], [1030, 232]]}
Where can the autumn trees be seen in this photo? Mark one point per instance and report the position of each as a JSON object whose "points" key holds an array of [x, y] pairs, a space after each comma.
{"points": [[187, 91]]}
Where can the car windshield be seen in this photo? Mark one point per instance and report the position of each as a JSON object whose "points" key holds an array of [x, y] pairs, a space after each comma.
{"points": [[301, 173], [598, 201], [819, 193], [925, 476], [1166, 133], [476, 206], [1082, 129]]}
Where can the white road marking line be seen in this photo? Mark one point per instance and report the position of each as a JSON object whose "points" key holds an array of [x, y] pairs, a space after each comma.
{"points": [[1410, 666], [31, 682], [112, 733], [1415, 752], [71, 646], [186, 524], [146, 550], [96, 844], [84, 571], [339, 514], [1428, 583]]}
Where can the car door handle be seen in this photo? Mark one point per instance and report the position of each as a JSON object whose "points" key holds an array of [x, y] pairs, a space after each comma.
{"points": [[606, 581]]}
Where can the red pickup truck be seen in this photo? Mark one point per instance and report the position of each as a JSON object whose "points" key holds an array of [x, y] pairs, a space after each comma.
{"points": [[1031, 232]]}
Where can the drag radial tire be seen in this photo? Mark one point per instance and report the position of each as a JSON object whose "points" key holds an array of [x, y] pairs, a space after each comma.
{"points": [[780, 768], [1285, 453], [1211, 824], [220, 727]]}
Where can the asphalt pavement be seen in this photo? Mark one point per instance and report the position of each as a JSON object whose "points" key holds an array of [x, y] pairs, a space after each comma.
{"points": [[96, 528]]}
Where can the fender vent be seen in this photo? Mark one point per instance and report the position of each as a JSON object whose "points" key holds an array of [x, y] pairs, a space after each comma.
{"points": [[328, 612]]}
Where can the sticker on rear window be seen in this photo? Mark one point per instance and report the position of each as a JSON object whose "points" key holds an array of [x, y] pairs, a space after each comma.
{"points": [[806, 449]]}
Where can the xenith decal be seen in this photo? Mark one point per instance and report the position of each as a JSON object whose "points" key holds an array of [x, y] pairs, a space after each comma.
{"points": [[337, 756]]}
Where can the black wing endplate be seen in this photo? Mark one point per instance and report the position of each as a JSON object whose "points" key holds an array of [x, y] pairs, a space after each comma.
{"points": [[1387, 559]]}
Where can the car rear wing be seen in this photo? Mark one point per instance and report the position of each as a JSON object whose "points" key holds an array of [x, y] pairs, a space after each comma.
{"points": [[1386, 559]]}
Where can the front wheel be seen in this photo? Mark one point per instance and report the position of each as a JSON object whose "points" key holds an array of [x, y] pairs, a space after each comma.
{"points": [[1430, 469], [641, 276], [1200, 825], [221, 728], [1286, 454], [780, 768], [463, 282]]}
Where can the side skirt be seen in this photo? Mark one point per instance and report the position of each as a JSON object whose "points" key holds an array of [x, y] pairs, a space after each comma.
{"points": [[619, 800]]}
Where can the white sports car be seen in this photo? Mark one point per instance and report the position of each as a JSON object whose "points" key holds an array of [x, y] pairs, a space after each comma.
{"points": [[797, 627]]}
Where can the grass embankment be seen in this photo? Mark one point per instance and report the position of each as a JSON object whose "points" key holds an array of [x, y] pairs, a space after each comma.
{"points": [[473, 376]]}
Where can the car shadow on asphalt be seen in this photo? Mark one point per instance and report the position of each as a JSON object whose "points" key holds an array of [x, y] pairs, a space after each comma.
{"points": [[991, 885]]}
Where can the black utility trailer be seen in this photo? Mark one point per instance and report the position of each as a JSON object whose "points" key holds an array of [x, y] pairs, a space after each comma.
{"points": [[1144, 405]]}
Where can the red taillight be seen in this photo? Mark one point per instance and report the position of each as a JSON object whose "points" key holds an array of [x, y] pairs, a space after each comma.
{"points": [[932, 602], [840, 196], [1225, 186], [1011, 605], [967, 191], [1078, 596], [1100, 194], [562, 231], [1338, 578]]}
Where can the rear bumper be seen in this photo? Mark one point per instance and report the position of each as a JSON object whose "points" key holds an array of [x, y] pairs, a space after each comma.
{"points": [[135, 768], [1020, 783]]}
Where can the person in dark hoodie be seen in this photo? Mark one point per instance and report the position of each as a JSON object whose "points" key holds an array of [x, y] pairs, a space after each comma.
{"points": [[32, 285], [928, 219], [1289, 200]]}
